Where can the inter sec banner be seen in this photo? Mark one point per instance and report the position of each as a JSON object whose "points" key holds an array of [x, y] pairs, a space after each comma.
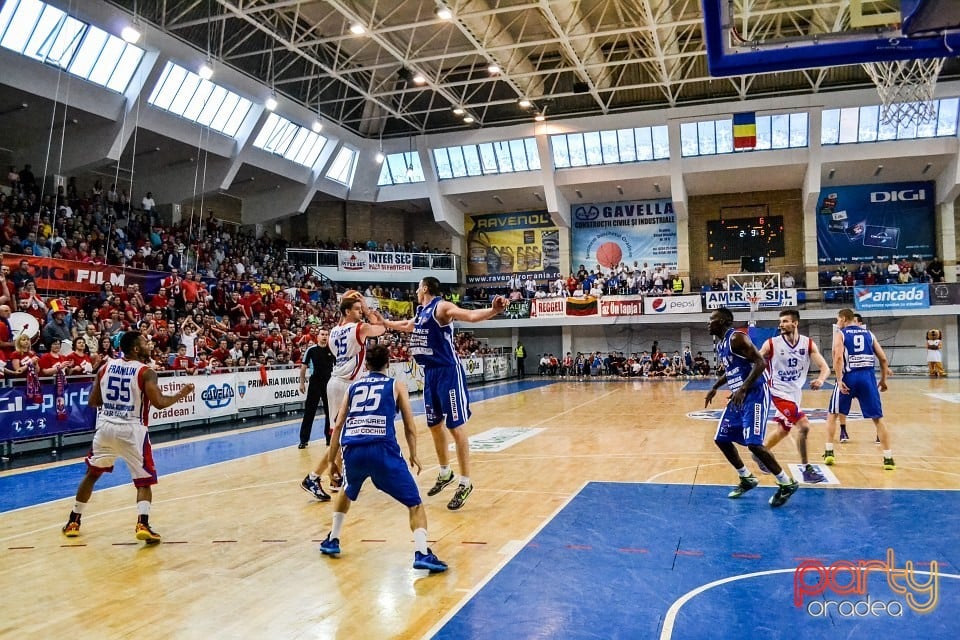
{"points": [[608, 233], [52, 274], [880, 222], [502, 244], [374, 261]]}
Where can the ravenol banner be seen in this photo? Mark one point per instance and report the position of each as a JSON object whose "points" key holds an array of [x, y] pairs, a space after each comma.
{"points": [[880, 222], [502, 244], [608, 233], [889, 297]]}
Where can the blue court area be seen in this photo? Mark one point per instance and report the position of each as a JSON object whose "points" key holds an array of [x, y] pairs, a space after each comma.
{"points": [[649, 561], [43, 485]]}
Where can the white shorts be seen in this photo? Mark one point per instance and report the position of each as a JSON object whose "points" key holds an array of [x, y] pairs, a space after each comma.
{"points": [[128, 441], [336, 389]]}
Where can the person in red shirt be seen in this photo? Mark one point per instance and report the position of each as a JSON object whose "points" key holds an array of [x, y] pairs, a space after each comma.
{"points": [[190, 288], [80, 360], [222, 352], [53, 361], [183, 362]]}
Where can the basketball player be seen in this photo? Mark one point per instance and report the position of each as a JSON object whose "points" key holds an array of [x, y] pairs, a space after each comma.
{"points": [[124, 391], [844, 438], [366, 433], [744, 420], [445, 383], [789, 356], [348, 343], [855, 354]]}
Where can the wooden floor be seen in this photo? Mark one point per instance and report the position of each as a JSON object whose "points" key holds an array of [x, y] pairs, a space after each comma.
{"points": [[240, 556]]}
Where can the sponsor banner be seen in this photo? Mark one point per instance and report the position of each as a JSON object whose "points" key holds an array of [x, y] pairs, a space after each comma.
{"points": [[352, 260], [586, 306], [21, 419], [769, 299], [499, 438], [608, 233], [615, 306], [214, 395], [502, 244], [944, 293], [407, 373], [282, 386], [882, 222], [672, 304], [401, 308], [517, 309], [892, 296], [473, 366], [57, 275], [495, 367], [548, 307], [376, 261]]}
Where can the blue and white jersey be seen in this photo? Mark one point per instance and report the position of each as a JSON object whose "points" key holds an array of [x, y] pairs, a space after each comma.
{"points": [[371, 411], [858, 352], [735, 366], [431, 343]]}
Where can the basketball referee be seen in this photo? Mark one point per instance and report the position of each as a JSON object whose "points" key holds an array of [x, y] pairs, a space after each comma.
{"points": [[319, 360]]}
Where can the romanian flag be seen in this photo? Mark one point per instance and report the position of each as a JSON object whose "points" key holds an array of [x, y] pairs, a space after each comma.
{"points": [[744, 130]]}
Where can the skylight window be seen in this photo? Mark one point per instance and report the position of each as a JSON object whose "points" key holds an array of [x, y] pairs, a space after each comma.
{"points": [[189, 96], [291, 141], [343, 166]]}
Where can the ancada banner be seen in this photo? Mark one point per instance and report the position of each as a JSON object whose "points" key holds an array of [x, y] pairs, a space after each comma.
{"points": [[52, 274], [608, 233], [502, 244], [880, 222], [548, 307], [889, 297], [617, 306]]}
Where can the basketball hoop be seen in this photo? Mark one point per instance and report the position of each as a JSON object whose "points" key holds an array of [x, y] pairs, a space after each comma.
{"points": [[753, 298], [906, 89]]}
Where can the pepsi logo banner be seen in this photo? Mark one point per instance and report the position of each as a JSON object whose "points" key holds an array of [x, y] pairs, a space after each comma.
{"points": [[672, 304], [892, 296], [617, 306]]}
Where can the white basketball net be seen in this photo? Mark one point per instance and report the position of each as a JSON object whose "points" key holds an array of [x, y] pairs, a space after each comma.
{"points": [[906, 89]]}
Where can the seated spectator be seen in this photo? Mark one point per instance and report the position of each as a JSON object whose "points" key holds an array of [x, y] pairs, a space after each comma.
{"points": [[788, 282], [53, 361], [21, 357], [80, 360]]}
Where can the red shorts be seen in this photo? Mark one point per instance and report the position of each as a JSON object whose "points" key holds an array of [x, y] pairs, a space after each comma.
{"points": [[789, 410]]}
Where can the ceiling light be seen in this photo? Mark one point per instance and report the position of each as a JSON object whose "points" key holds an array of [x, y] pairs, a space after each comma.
{"points": [[418, 78], [444, 13], [380, 157], [131, 34], [927, 168], [830, 175], [469, 119], [877, 171], [271, 103], [539, 117], [205, 71], [409, 172], [357, 29], [493, 69], [656, 187], [317, 126], [458, 111], [524, 103]]}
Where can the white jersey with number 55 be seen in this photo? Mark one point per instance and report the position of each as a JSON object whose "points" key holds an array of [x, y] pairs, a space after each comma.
{"points": [[121, 389]]}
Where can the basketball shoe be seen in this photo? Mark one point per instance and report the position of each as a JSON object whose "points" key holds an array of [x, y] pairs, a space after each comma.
{"points": [[313, 488], [812, 476], [428, 561], [145, 533], [784, 491], [460, 496], [888, 464], [746, 484], [828, 457], [330, 546], [71, 529], [441, 483], [843, 435]]}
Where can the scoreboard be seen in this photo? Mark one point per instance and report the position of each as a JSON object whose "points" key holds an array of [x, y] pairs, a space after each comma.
{"points": [[730, 240]]}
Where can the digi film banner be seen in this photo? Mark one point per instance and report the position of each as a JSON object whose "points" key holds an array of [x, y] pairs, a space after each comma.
{"points": [[502, 244], [880, 222], [641, 231]]}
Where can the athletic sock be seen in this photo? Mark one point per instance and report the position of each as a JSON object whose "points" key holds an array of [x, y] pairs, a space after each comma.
{"points": [[464, 481], [420, 540], [743, 472], [313, 476], [78, 507], [445, 470], [828, 446], [888, 453], [338, 519], [783, 478], [143, 508]]}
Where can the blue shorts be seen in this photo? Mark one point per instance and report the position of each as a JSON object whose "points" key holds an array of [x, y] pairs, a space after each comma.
{"points": [[746, 424], [383, 463], [863, 387], [445, 394]]}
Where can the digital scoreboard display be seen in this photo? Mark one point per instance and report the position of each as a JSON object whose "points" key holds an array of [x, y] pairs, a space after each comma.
{"points": [[730, 240]]}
